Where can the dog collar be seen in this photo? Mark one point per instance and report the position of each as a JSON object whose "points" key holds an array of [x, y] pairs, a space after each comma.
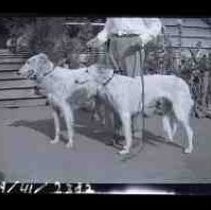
{"points": [[109, 79], [39, 79], [49, 72]]}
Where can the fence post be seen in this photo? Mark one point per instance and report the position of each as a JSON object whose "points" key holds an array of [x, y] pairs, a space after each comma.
{"points": [[178, 52]]}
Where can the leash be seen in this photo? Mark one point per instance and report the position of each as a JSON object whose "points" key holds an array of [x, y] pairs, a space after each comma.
{"points": [[109, 56], [140, 146], [109, 79], [142, 53], [143, 89]]}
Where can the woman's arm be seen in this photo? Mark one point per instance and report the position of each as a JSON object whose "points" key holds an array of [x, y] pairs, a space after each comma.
{"points": [[102, 36]]}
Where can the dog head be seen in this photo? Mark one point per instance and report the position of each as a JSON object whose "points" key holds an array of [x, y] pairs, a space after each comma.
{"points": [[36, 67]]}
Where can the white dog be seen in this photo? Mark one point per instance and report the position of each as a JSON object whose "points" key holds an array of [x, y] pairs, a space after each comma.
{"points": [[67, 90], [61, 86], [124, 95]]}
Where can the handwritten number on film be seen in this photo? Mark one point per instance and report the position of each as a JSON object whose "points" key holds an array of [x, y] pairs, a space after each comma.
{"points": [[33, 189]]}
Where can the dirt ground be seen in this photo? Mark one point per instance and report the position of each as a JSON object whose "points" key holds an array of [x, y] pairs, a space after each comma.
{"points": [[26, 154]]}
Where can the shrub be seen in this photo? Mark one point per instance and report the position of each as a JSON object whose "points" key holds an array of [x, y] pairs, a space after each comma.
{"points": [[59, 42]]}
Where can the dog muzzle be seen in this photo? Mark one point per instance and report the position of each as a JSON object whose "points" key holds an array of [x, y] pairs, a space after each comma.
{"points": [[37, 90], [32, 75]]}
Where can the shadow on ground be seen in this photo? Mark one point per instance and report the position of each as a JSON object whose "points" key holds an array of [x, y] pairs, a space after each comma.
{"points": [[153, 139], [93, 130]]}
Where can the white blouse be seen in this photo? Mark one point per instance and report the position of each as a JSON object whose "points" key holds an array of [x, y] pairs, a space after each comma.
{"points": [[146, 28]]}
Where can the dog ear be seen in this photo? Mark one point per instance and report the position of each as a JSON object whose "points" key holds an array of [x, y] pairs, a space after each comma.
{"points": [[43, 56], [43, 64]]}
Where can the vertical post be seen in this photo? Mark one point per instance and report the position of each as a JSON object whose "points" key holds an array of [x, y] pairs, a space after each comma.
{"points": [[178, 53], [205, 90], [163, 45], [142, 53]]}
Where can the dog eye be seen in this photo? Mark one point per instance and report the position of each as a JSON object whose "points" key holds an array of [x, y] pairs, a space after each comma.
{"points": [[87, 71], [34, 77]]}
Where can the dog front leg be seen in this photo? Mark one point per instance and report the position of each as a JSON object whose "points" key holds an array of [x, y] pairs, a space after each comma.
{"points": [[99, 112], [126, 122], [68, 116], [57, 126]]}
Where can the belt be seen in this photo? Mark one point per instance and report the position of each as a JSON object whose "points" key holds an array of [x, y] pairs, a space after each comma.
{"points": [[125, 35]]}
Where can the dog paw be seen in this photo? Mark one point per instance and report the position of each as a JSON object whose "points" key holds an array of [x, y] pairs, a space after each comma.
{"points": [[103, 123], [170, 140], [69, 144], [124, 152], [55, 140], [188, 150]]}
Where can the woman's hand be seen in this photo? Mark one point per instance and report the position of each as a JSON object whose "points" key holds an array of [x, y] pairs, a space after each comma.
{"points": [[94, 43]]}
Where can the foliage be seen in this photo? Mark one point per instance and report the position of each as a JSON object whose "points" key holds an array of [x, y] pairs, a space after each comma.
{"points": [[64, 43], [59, 41], [159, 55], [196, 62], [15, 25], [51, 36]]}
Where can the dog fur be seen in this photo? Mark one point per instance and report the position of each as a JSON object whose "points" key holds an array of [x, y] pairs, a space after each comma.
{"points": [[67, 90], [61, 88], [124, 95]]}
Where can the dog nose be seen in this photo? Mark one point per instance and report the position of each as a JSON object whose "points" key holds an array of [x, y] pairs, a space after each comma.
{"points": [[34, 77], [36, 90]]}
